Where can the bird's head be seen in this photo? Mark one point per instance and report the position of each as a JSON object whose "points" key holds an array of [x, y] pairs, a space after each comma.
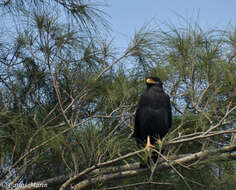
{"points": [[151, 81]]}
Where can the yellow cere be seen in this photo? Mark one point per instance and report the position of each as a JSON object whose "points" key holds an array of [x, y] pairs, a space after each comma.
{"points": [[150, 81]]}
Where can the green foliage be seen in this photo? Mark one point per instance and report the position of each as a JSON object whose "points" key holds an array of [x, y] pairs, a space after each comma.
{"points": [[68, 97]]}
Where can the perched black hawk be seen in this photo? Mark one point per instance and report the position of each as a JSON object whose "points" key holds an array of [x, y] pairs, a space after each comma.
{"points": [[153, 116]]}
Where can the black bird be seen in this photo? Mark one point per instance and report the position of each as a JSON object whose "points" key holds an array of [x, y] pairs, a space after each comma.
{"points": [[153, 117]]}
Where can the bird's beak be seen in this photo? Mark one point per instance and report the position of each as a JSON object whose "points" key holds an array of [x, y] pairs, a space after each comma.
{"points": [[150, 81]]}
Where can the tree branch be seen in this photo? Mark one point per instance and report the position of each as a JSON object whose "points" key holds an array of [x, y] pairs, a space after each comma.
{"points": [[187, 159], [130, 170]]}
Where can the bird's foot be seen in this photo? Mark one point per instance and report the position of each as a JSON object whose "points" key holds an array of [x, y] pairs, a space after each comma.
{"points": [[148, 145]]}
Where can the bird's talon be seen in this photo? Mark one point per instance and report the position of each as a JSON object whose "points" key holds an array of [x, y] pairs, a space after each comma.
{"points": [[147, 147]]}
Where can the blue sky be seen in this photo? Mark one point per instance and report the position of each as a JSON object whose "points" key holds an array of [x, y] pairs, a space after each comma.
{"points": [[129, 15]]}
